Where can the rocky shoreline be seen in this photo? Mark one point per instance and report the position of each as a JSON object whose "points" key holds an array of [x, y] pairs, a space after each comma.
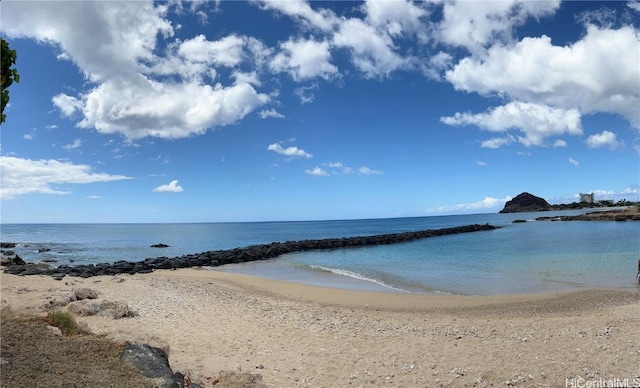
{"points": [[231, 256], [629, 214]]}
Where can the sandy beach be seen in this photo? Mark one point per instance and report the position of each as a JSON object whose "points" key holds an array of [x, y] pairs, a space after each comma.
{"points": [[299, 335]]}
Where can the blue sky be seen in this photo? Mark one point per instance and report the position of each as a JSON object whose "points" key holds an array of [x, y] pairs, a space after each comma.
{"points": [[293, 110]]}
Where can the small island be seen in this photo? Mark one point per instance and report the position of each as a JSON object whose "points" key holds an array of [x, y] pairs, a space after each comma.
{"points": [[526, 202]]}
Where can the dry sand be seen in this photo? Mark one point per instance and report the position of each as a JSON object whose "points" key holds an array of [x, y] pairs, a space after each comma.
{"points": [[298, 335]]}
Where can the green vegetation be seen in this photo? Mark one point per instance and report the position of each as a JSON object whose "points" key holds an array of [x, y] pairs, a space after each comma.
{"points": [[64, 321], [9, 75]]}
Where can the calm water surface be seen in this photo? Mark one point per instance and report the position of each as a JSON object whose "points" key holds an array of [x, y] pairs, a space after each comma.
{"points": [[529, 257]]}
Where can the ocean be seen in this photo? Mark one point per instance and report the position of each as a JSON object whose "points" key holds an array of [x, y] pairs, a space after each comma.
{"points": [[530, 257]]}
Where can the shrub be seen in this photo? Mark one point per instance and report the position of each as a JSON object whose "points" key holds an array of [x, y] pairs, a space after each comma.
{"points": [[64, 321]]}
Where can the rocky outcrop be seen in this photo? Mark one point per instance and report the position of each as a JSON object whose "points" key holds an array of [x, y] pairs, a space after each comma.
{"points": [[104, 308], [526, 202], [10, 258], [631, 214], [161, 245], [152, 363], [237, 255]]}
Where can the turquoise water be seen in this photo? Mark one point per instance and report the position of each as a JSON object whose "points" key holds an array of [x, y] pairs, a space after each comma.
{"points": [[529, 257]]}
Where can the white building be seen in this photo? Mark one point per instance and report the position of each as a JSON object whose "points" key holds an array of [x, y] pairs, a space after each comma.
{"points": [[588, 198]]}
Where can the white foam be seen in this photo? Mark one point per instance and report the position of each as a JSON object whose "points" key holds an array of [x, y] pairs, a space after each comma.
{"points": [[355, 275]]}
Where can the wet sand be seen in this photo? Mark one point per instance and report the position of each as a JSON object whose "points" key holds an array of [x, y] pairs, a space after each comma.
{"points": [[300, 335]]}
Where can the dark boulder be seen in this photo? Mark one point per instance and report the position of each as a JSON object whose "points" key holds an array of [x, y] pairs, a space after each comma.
{"points": [[153, 363], [526, 202], [161, 245]]}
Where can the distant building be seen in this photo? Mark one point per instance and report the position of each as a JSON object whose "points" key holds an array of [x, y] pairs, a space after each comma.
{"points": [[588, 198]]}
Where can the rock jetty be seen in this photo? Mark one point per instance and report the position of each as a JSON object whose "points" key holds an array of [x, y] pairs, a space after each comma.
{"points": [[237, 255]]}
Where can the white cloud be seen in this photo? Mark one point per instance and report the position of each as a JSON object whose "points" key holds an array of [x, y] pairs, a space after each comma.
{"points": [[598, 73], [300, 10], [437, 64], [372, 53], [397, 18], [488, 203], [52, 126], [68, 105], [474, 25], [94, 196], [304, 93], [168, 111], [574, 162], [304, 59], [559, 143], [497, 142], [535, 121], [634, 5], [250, 78], [604, 139], [270, 113], [76, 144], [123, 97], [339, 168], [368, 171], [172, 187], [481, 163], [227, 51], [23, 176], [27, 136], [289, 151], [316, 171]]}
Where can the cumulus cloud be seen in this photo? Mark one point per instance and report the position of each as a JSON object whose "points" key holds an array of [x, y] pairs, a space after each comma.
{"points": [[397, 18], [300, 10], [604, 139], [270, 113], [316, 171], [304, 59], [124, 96], [24, 176], [598, 73], [172, 187], [475, 25], [535, 121], [289, 151], [68, 105], [559, 143], [372, 53], [634, 5], [574, 162]]}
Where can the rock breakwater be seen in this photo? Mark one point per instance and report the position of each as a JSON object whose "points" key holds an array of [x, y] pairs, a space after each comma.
{"points": [[237, 255]]}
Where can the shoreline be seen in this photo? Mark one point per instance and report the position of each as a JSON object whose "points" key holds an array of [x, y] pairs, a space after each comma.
{"points": [[301, 335]]}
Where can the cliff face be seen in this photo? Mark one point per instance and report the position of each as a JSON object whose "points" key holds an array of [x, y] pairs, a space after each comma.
{"points": [[526, 202]]}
